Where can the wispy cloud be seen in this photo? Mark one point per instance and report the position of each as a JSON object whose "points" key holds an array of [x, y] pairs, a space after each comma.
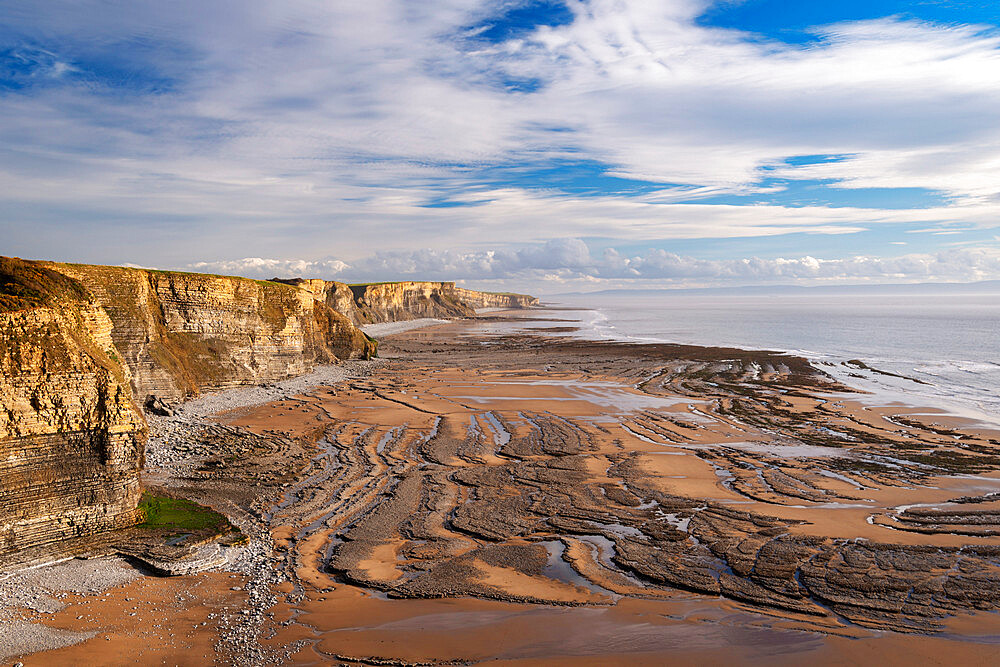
{"points": [[178, 133]]}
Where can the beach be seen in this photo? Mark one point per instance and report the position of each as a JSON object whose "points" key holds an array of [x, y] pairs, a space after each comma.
{"points": [[483, 494]]}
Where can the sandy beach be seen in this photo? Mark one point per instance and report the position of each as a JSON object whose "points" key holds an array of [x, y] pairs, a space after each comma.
{"points": [[531, 499]]}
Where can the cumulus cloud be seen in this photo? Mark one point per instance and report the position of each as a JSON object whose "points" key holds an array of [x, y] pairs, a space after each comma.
{"points": [[308, 129], [569, 261], [257, 267]]}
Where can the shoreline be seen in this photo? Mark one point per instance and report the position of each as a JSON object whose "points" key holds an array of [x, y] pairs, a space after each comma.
{"points": [[863, 378], [906, 379], [566, 380], [392, 328]]}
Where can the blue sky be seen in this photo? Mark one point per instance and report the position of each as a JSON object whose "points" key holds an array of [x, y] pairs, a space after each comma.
{"points": [[543, 145]]}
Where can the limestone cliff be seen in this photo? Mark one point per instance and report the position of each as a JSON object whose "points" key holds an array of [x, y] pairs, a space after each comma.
{"points": [[337, 296], [388, 302], [494, 299], [370, 303], [81, 346], [186, 333], [71, 436]]}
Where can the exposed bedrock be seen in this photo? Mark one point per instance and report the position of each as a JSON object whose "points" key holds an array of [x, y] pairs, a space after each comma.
{"points": [[71, 436], [447, 486], [408, 300], [492, 299], [182, 333], [438, 526], [388, 302]]}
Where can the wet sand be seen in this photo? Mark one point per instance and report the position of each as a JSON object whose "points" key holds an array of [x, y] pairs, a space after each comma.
{"points": [[530, 500]]}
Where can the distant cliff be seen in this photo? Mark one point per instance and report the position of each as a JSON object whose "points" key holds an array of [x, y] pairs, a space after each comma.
{"points": [[390, 302], [494, 299], [186, 333], [371, 303]]}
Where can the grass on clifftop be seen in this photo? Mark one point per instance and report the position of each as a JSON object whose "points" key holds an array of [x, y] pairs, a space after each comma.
{"points": [[182, 516], [25, 285]]}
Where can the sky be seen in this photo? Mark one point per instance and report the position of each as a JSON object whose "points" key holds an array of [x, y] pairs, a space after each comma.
{"points": [[539, 145]]}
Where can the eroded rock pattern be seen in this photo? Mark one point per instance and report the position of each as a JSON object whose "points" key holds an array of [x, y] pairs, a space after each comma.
{"points": [[81, 346], [603, 471]]}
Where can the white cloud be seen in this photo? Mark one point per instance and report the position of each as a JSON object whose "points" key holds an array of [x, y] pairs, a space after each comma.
{"points": [[568, 261], [257, 267], [322, 129]]}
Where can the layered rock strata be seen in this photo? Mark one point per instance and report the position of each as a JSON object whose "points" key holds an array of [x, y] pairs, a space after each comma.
{"points": [[182, 334], [390, 302], [338, 296], [81, 346], [373, 303], [71, 436], [494, 299], [515, 471]]}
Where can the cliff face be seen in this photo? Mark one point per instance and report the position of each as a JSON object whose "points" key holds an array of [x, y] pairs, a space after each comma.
{"points": [[71, 437], [389, 302], [182, 333], [337, 296], [494, 299], [81, 346]]}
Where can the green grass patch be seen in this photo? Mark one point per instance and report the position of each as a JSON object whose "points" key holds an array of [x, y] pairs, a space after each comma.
{"points": [[181, 516]]}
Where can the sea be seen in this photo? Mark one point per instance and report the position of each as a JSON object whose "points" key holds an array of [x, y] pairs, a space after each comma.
{"points": [[944, 345]]}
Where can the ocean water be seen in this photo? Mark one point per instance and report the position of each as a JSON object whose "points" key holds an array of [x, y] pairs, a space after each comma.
{"points": [[949, 342]]}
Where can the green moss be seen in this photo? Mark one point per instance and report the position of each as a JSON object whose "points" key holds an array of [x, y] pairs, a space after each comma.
{"points": [[181, 516], [371, 349]]}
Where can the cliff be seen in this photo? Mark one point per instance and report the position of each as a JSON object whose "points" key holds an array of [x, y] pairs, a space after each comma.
{"points": [[494, 299], [82, 346], [389, 302], [71, 436], [337, 296], [185, 333], [371, 303]]}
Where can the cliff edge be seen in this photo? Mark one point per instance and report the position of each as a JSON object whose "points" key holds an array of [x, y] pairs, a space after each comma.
{"points": [[374, 303], [410, 300]]}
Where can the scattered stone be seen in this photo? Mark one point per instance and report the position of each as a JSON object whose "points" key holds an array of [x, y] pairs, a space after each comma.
{"points": [[158, 406]]}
